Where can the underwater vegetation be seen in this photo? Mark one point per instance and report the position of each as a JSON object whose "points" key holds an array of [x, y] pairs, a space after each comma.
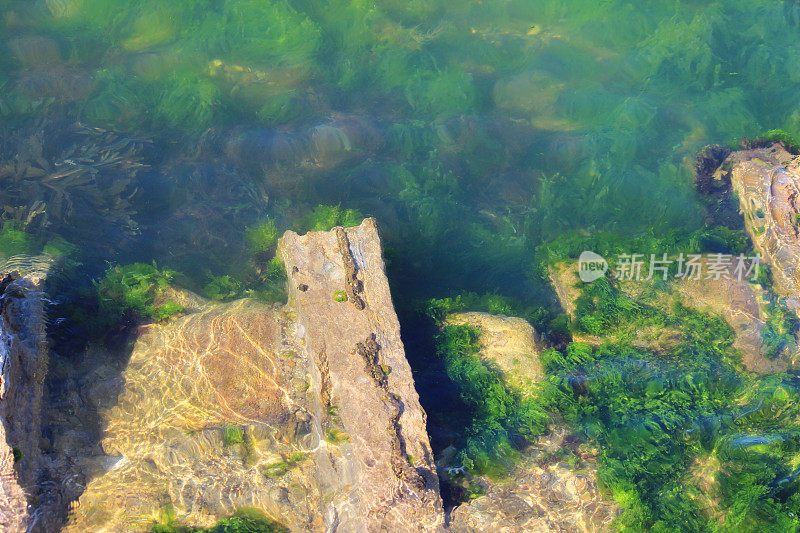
{"points": [[654, 416], [244, 520], [138, 290], [326, 217], [500, 415], [490, 139], [69, 179]]}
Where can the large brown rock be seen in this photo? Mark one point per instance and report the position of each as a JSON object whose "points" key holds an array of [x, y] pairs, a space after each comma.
{"points": [[767, 182], [306, 411], [208, 422], [380, 475]]}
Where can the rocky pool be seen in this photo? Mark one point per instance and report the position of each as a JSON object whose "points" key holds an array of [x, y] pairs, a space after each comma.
{"points": [[153, 153]]}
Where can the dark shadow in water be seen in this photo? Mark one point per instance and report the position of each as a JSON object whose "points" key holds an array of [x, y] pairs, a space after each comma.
{"points": [[84, 380]]}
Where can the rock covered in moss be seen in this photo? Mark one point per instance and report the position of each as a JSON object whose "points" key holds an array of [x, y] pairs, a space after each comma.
{"points": [[744, 305], [551, 485], [510, 343]]}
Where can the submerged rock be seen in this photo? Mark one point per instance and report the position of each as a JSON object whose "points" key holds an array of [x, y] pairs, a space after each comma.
{"points": [[23, 365], [206, 413], [376, 467], [767, 182], [739, 302], [508, 342], [307, 412], [553, 486]]}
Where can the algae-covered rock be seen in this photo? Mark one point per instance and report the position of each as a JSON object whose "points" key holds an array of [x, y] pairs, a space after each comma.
{"points": [[744, 305], [552, 485], [510, 343], [552, 488]]}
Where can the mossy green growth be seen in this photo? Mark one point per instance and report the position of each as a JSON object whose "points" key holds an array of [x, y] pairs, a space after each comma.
{"points": [[787, 139], [441, 93], [15, 241], [437, 309], [780, 330], [280, 468], [223, 288], [500, 415], [243, 520], [340, 296], [232, 435], [262, 237], [187, 100], [275, 470], [326, 217], [155, 26], [17, 454], [138, 289], [336, 436], [271, 282], [60, 247]]}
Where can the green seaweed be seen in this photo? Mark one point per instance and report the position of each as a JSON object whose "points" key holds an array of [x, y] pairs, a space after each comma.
{"points": [[15, 241], [223, 288], [243, 520], [138, 289], [232, 435], [271, 285], [336, 436], [326, 217], [499, 414], [262, 237]]}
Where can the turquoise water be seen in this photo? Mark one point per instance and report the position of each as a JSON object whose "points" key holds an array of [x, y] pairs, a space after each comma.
{"points": [[188, 133]]}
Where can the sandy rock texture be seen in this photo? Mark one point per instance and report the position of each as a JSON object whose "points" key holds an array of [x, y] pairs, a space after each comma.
{"points": [[380, 473], [767, 182]]}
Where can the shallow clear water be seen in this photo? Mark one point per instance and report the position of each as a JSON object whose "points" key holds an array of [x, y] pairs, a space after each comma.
{"points": [[473, 131], [141, 131]]}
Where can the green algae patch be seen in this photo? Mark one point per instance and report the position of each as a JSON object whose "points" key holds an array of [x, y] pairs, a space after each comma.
{"points": [[243, 520], [336, 436], [138, 289], [262, 237], [232, 435], [326, 217]]}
